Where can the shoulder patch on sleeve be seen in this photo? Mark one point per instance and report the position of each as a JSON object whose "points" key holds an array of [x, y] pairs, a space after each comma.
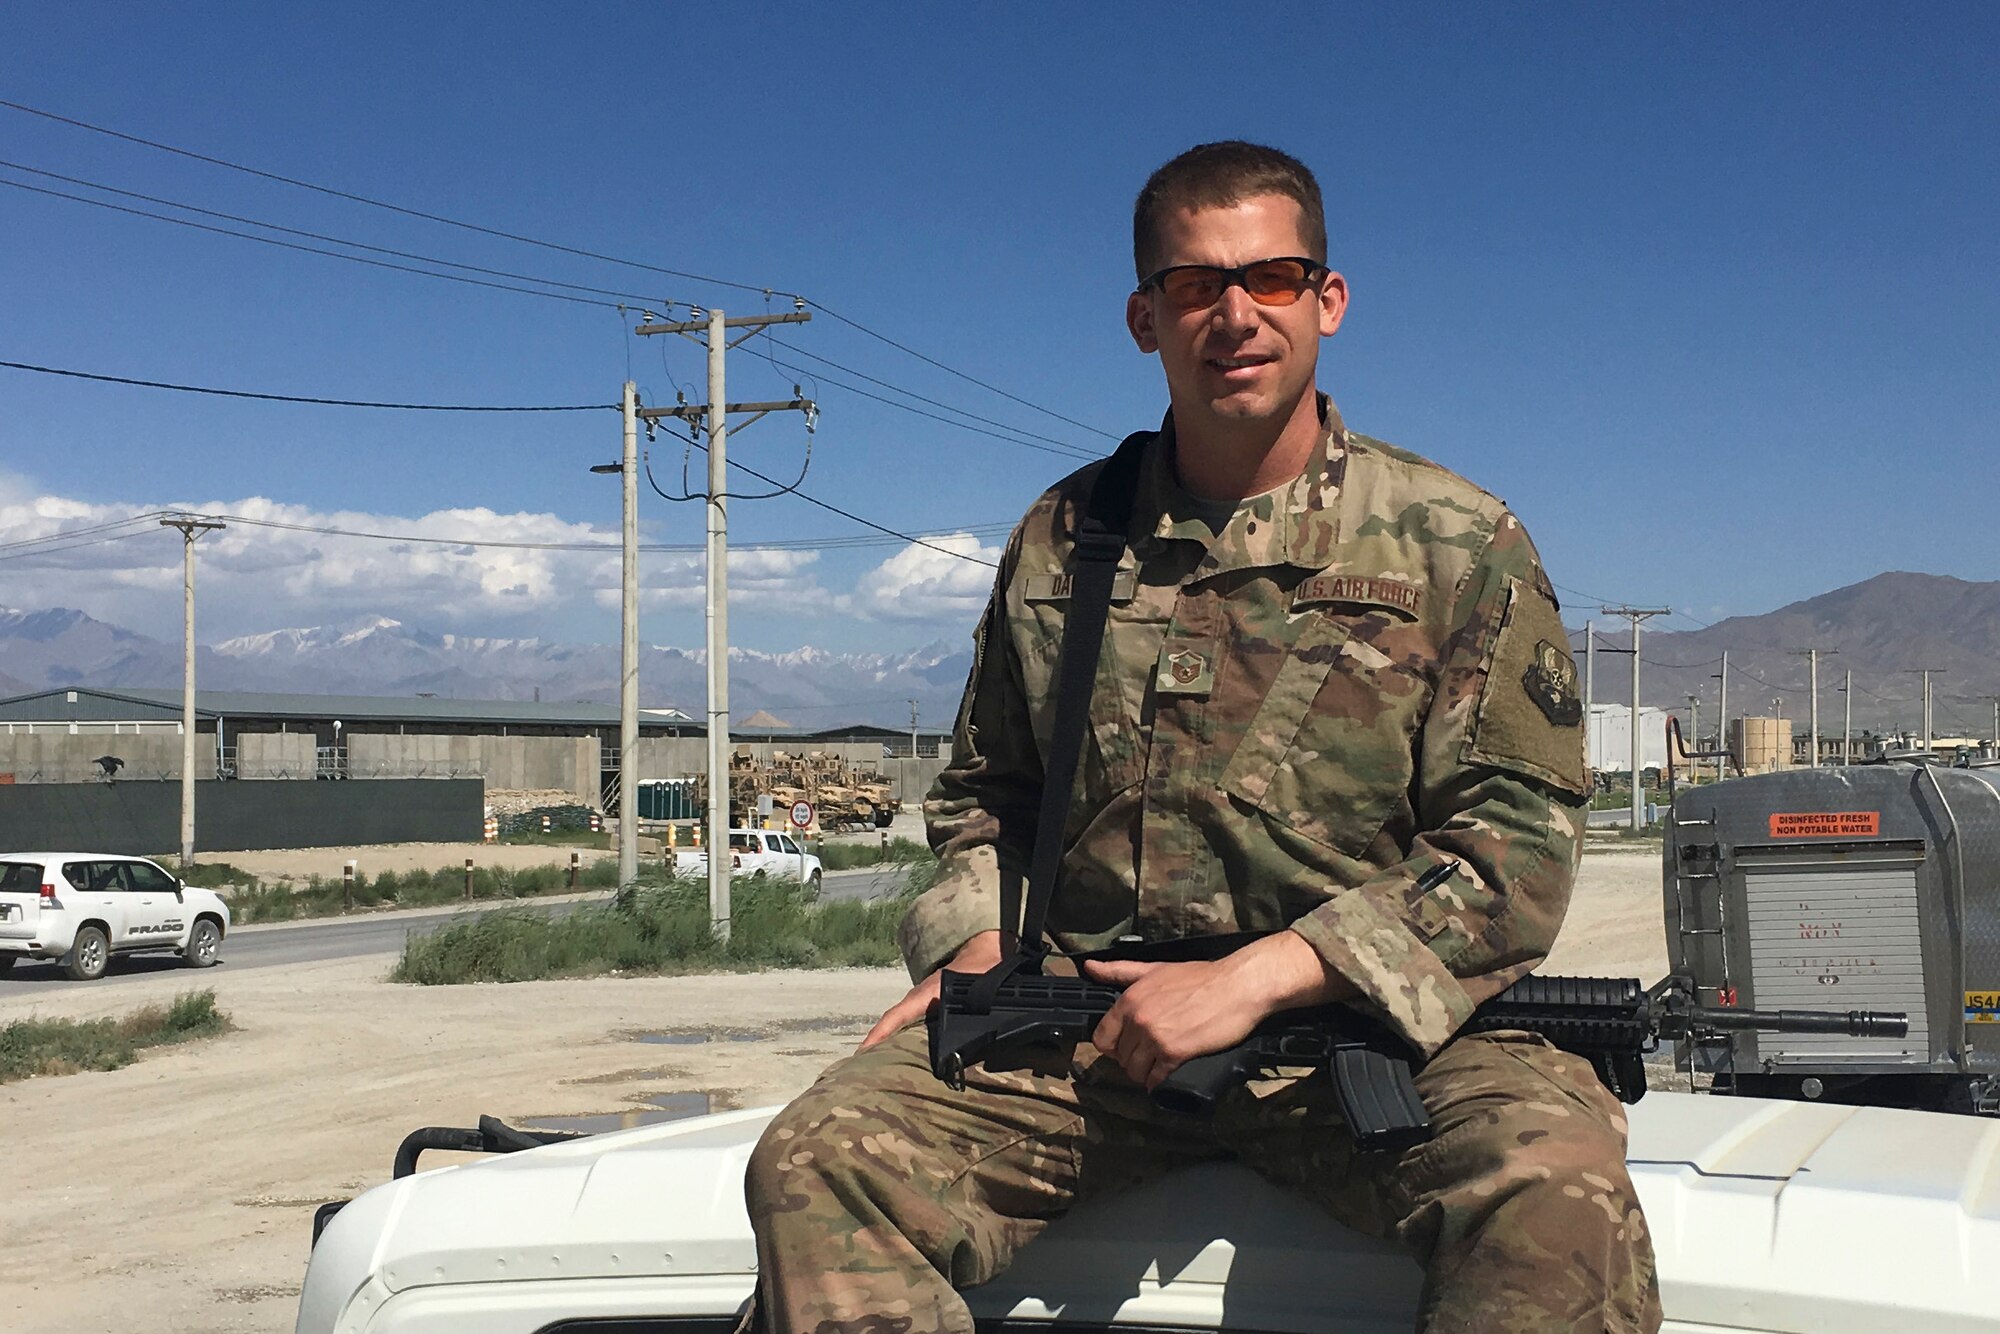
{"points": [[1530, 718]]}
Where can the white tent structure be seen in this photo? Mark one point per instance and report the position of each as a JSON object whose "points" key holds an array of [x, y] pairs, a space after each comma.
{"points": [[1610, 733]]}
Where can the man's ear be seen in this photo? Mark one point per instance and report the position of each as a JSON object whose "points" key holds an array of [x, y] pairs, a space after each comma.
{"points": [[1332, 303], [1139, 319]]}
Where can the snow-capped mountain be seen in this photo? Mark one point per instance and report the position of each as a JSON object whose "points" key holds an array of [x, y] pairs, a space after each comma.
{"points": [[1885, 628], [375, 655]]}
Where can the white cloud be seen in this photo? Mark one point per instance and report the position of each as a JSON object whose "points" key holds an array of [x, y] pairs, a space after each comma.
{"points": [[920, 583], [756, 578], [254, 575]]}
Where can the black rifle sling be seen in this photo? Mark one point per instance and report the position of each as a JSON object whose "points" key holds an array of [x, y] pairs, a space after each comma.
{"points": [[1100, 541]]}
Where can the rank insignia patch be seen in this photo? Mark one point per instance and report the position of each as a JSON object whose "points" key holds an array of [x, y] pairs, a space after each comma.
{"points": [[1184, 672], [1551, 683]]}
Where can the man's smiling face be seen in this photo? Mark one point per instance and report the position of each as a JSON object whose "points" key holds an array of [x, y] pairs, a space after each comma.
{"points": [[1236, 360]]}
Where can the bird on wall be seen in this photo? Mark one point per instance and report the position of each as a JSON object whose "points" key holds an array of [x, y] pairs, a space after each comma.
{"points": [[110, 764]]}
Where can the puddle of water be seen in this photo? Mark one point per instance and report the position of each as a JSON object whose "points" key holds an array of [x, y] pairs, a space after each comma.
{"points": [[658, 1107]]}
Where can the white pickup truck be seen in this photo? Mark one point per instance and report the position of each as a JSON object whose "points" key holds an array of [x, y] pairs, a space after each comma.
{"points": [[1801, 1218], [757, 852]]}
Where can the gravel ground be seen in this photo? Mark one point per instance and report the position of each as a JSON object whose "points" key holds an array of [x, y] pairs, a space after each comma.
{"points": [[175, 1196]]}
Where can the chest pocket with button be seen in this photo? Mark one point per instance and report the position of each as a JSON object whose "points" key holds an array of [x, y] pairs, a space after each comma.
{"points": [[1329, 752], [1114, 755]]}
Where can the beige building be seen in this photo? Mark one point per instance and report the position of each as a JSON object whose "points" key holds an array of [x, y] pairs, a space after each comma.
{"points": [[60, 736]]}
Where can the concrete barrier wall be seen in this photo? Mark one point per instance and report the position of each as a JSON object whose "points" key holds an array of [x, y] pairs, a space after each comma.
{"points": [[669, 757], [275, 755], [58, 757], [562, 763], [144, 819]]}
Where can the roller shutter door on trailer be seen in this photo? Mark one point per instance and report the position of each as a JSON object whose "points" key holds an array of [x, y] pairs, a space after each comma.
{"points": [[1839, 940]]}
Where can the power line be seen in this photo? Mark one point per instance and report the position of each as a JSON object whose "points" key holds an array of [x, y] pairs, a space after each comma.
{"points": [[866, 523], [68, 539], [72, 546], [86, 531], [932, 361], [300, 398], [1770, 685], [546, 245], [1061, 447], [1066, 450], [1587, 597], [322, 236], [306, 249], [1064, 445], [379, 203], [1680, 666], [435, 407], [794, 544]]}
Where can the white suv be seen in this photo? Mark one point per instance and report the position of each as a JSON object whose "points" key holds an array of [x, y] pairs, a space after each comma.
{"points": [[84, 907]]}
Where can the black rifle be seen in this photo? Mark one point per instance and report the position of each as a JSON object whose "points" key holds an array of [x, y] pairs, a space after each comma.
{"points": [[1611, 1022]]}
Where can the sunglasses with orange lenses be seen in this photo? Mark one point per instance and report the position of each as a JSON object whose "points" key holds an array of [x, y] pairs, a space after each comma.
{"points": [[1270, 282]]}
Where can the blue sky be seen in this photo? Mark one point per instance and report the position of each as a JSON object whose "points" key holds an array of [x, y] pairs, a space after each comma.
{"points": [[1705, 291]]}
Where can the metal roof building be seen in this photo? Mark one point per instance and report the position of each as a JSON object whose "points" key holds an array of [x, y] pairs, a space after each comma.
{"points": [[143, 709], [256, 710]]}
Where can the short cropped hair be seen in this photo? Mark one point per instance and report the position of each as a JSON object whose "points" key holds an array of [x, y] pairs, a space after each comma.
{"points": [[1216, 176]]}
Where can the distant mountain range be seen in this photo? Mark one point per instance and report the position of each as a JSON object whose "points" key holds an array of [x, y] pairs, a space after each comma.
{"points": [[1884, 629], [807, 687]]}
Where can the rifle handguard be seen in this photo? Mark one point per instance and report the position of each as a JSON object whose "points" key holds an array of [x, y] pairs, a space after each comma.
{"points": [[1032, 1015]]}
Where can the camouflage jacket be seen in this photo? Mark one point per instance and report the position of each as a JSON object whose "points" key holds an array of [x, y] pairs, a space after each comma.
{"points": [[1362, 676]]}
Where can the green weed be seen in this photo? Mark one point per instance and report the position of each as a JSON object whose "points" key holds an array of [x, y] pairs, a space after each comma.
{"points": [[660, 927], [30, 1047]]}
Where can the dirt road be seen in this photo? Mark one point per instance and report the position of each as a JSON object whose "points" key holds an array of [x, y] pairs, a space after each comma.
{"points": [[175, 1196]]}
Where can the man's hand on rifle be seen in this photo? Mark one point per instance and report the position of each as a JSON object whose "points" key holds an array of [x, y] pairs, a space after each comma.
{"points": [[975, 956], [1173, 1012]]}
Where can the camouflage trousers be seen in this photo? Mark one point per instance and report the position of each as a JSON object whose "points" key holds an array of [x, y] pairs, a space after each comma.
{"points": [[880, 1192]]}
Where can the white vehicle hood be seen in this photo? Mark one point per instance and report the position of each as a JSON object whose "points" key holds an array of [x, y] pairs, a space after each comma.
{"points": [[1766, 1216]]}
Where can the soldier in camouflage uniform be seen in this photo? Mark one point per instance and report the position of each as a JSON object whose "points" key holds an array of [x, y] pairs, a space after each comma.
{"points": [[1330, 667]]}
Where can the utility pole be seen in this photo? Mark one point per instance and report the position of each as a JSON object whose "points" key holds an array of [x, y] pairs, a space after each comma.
{"points": [[1847, 718], [1694, 726], [1722, 718], [628, 645], [714, 415], [191, 530], [1927, 673], [1589, 692], [1811, 655], [628, 641], [1636, 616], [911, 768]]}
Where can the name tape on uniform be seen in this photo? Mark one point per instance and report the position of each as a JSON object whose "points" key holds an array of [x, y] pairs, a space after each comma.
{"points": [[1057, 587], [1826, 824]]}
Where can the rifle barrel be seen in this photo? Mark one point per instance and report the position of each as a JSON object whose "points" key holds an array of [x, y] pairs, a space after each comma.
{"points": [[1852, 1023]]}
